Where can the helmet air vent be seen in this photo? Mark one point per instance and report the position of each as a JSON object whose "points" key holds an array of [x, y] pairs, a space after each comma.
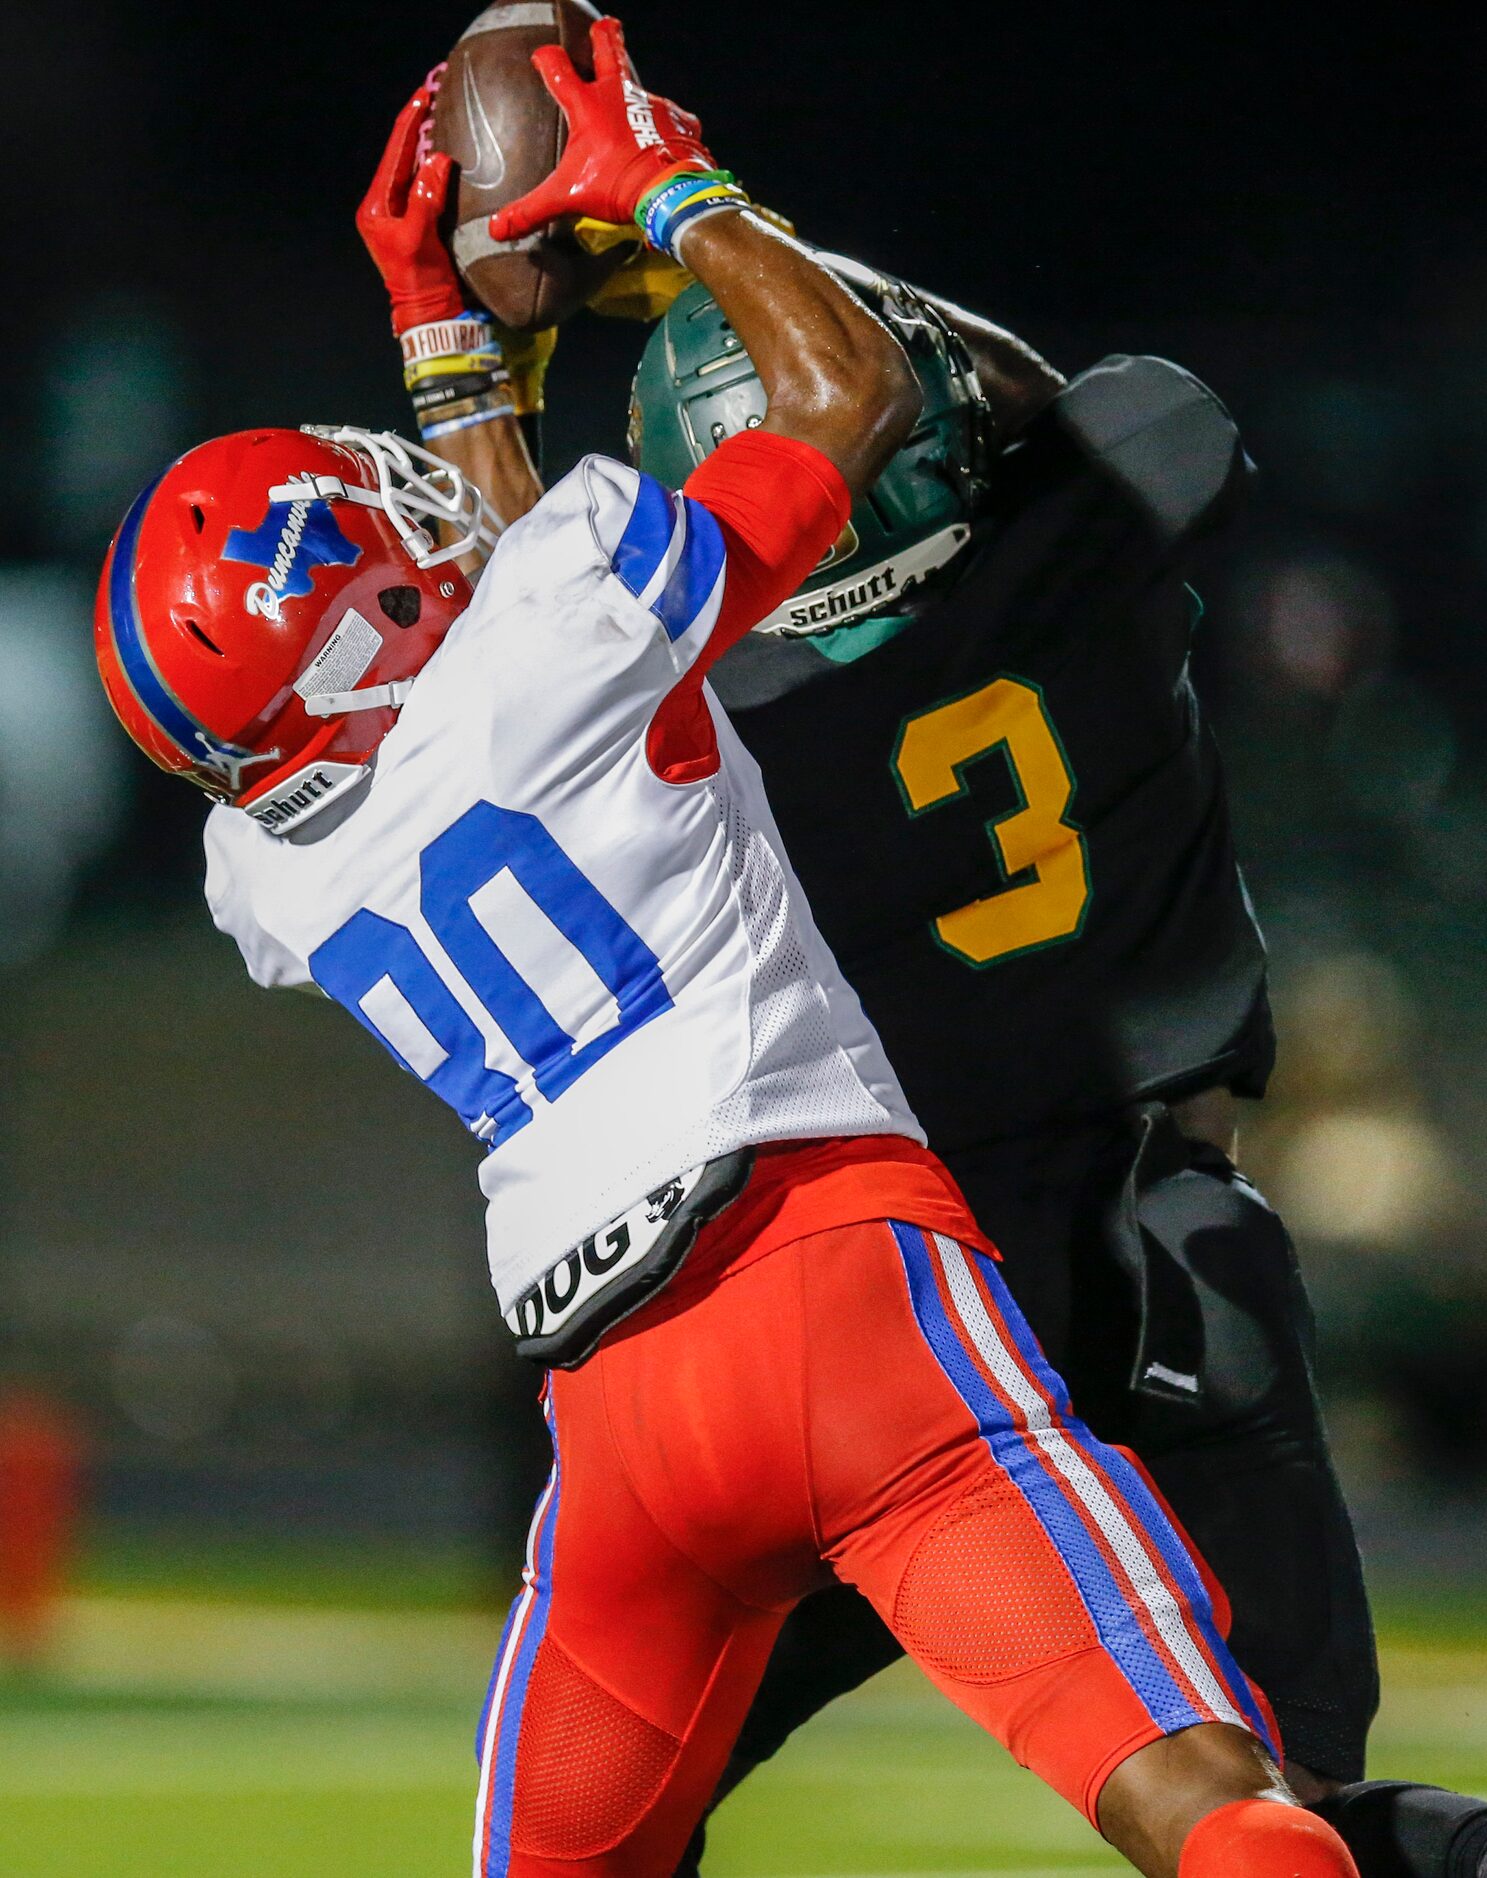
{"points": [[402, 605], [197, 633]]}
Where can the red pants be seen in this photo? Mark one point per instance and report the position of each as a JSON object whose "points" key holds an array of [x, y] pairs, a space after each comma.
{"points": [[865, 1402]]}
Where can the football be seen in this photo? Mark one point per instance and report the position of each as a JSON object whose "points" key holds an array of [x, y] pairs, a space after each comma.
{"points": [[495, 117]]}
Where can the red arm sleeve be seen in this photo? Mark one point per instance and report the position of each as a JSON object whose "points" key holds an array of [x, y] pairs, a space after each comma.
{"points": [[780, 504]]}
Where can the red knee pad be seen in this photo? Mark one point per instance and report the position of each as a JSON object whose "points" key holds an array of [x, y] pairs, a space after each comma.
{"points": [[587, 1768], [1264, 1839], [975, 1603]]}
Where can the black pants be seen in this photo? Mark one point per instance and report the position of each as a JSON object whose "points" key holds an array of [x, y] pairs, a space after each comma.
{"points": [[1166, 1292]]}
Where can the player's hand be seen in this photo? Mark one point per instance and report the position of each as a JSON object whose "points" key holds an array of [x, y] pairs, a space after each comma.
{"points": [[399, 221], [621, 140]]}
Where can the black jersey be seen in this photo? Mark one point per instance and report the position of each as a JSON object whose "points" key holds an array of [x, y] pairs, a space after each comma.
{"points": [[1009, 818]]}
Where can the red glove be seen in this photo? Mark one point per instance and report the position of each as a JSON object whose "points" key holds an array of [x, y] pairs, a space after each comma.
{"points": [[399, 222], [622, 140]]}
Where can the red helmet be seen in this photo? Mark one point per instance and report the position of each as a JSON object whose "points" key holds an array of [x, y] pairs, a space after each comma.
{"points": [[268, 601]]}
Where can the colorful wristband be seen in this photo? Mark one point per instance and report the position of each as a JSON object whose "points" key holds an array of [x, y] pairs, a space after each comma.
{"points": [[432, 396], [682, 198], [456, 374], [471, 332], [483, 413]]}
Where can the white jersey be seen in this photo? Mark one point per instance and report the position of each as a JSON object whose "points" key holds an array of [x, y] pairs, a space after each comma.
{"points": [[611, 977]]}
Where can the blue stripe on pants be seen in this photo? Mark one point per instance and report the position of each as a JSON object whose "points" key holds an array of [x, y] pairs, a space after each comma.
{"points": [[502, 1786], [1119, 1628]]}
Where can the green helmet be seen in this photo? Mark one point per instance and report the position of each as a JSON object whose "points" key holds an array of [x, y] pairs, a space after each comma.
{"points": [[696, 385]]}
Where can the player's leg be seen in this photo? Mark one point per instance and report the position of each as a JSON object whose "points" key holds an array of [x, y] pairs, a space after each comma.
{"points": [[1403, 1829], [830, 1644], [1243, 1462], [1211, 1287], [1026, 1567], [1210, 1801], [1036, 1197], [621, 1679]]}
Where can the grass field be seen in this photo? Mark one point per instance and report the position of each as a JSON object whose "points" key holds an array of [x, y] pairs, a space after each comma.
{"points": [[180, 1737]]}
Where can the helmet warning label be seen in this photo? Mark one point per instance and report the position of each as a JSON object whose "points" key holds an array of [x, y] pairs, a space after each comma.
{"points": [[341, 661]]}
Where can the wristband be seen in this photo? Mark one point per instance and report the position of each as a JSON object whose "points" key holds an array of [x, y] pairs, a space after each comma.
{"points": [[479, 411], [453, 365], [448, 404], [455, 371], [484, 361], [433, 396], [470, 332], [684, 197]]}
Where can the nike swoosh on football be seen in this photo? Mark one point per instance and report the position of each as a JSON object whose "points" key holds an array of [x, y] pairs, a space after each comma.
{"points": [[489, 166]]}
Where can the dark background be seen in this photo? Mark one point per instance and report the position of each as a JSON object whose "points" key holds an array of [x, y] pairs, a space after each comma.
{"points": [[245, 1253], [1293, 211]]}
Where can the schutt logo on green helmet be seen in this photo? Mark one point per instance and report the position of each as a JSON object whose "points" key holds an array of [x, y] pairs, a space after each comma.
{"points": [[696, 386]]}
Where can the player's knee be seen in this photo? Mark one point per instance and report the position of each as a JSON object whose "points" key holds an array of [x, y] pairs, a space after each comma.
{"points": [[1264, 1838], [1209, 1802], [986, 1597], [588, 1768]]}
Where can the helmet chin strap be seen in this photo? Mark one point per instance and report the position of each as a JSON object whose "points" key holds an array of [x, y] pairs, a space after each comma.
{"points": [[369, 698]]}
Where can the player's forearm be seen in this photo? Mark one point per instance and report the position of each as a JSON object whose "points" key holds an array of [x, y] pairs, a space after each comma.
{"points": [[1015, 380], [494, 457], [834, 375], [465, 377]]}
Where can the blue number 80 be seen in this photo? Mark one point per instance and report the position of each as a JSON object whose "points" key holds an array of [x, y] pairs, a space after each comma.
{"points": [[452, 869]]}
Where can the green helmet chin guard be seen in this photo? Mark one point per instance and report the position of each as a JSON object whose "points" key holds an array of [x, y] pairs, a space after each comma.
{"points": [[696, 385]]}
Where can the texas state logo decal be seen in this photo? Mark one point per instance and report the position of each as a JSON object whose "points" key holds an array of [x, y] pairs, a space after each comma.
{"points": [[291, 541]]}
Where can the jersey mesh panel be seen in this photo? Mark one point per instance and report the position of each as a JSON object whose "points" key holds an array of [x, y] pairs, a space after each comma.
{"points": [[986, 1597], [793, 1052], [797, 1068], [587, 1768]]}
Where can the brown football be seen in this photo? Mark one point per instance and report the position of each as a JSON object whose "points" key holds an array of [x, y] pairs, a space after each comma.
{"points": [[494, 116]]}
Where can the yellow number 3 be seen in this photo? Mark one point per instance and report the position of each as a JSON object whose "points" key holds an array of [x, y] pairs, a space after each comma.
{"points": [[933, 751]]}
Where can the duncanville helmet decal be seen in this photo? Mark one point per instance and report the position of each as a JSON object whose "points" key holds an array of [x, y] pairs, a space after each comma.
{"points": [[291, 541]]}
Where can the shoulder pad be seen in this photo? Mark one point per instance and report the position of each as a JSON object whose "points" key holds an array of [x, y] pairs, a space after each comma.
{"points": [[1162, 432]]}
